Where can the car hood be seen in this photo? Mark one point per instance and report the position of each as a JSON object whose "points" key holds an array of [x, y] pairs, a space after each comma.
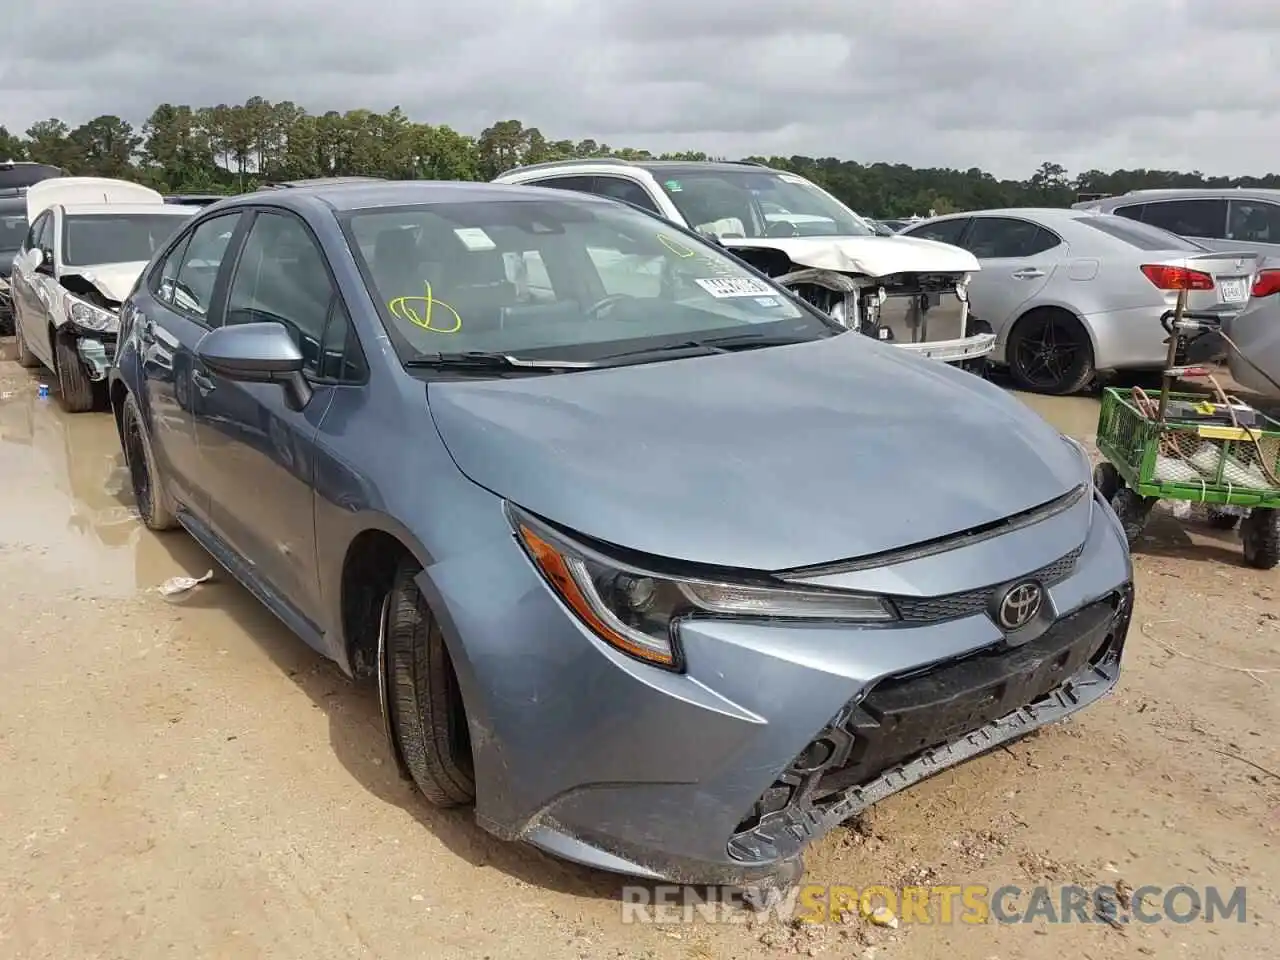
{"points": [[765, 459], [113, 280], [871, 256]]}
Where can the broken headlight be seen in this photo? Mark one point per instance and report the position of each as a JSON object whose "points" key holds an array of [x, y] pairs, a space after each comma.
{"points": [[88, 316], [639, 612]]}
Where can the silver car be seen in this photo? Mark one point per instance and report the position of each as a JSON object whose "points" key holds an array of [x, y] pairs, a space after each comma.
{"points": [[1221, 219], [1071, 293], [1254, 336]]}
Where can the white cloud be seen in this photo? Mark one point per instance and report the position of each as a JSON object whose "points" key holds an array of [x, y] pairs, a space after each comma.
{"points": [[995, 84]]}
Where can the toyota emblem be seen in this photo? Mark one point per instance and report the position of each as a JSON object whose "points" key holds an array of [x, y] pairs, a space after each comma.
{"points": [[1020, 605]]}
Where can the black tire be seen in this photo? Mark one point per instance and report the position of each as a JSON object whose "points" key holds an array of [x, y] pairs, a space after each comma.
{"points": [[428, 719], [1219, 520], [1260, 533], [1049, 352], [1133, 511], [156, 509], [25, 357], [79, 393], [1108, 480], [6, 321]]}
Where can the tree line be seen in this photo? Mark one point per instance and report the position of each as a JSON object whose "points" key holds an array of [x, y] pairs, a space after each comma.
{"points": [[230, 149]]}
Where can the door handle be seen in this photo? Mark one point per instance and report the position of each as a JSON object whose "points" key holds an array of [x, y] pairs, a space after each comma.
{"points": [[201, 381], [1028, 273]]}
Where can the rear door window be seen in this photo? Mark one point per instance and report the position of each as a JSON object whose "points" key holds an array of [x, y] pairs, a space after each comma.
{"points": [[1007, 238], [944, 231], [1131, 211], [1189, 218], [189, 287], [1254, 221], [580, 184], [629, 191]]}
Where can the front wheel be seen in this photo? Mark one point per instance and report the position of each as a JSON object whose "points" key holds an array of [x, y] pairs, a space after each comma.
{"points": [[79, 393], [1108, 480], [427, 715], [1133, 509], [1260, 534], [1050, 352]]}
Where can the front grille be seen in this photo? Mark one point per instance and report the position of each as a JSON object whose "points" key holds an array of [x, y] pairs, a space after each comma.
{"points": [[971, 602], [901, 717], [913, 725]]}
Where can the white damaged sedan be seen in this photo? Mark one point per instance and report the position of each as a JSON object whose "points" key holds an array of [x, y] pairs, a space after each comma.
{"points": [[910, 291]]}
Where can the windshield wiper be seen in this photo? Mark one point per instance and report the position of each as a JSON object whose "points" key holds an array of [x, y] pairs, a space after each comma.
{"points": [[694, 348], [747, 341], [480, 360]]}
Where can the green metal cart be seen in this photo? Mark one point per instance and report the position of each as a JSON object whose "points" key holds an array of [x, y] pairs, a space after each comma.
{"points": [[1185, 446], [1232, 469]]}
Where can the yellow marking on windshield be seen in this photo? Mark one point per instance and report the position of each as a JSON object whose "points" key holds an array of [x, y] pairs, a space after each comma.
{"points": [[418, 310], [675, 246]]}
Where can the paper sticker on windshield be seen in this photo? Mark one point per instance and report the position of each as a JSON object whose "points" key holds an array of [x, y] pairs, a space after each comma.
{"points": [[791, 178], [474, 238], [724, 287], [673, 186], [769, 301]]}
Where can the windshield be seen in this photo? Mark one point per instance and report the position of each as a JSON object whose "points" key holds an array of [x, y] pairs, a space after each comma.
{"points": [[13, 229], [571, 278], [89, 239], [760, 203]]}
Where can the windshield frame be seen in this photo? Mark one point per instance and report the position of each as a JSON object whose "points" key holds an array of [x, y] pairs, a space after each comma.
{"points": [[602, 354], [179, 215], [792, 180]]}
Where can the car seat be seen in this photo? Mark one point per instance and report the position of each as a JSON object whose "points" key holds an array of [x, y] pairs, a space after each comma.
{"points": [[396, 265]]}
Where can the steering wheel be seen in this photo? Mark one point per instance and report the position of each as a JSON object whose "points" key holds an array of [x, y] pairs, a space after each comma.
{"points": [[605, 304]]}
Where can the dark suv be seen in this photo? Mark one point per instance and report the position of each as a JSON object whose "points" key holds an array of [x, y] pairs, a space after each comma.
{"points": [[15, 177]]}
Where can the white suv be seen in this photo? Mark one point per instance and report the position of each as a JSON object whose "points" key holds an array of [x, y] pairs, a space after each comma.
{"points": [[892, 288]]}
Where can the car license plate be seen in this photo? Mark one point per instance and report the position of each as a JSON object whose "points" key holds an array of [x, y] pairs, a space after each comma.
{"points": [[1235, 289]]}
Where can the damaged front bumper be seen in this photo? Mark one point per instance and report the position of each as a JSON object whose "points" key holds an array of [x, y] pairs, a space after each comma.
{"points": [[900, 309], [96, 351], [777, 731]]}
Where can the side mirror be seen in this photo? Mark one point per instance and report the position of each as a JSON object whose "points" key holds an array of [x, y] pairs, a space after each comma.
{"points": [[257, 353], [42, 262]]}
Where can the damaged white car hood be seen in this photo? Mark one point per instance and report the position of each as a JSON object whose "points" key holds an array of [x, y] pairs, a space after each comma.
{"points": [[113, 280], [870, 256]]}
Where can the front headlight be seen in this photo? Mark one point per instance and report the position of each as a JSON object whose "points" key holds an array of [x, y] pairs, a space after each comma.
{"points": [[88, 316], [640, 613]]}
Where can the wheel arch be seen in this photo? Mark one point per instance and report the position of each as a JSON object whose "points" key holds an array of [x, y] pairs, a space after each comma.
{"points": [[1054, 307]]}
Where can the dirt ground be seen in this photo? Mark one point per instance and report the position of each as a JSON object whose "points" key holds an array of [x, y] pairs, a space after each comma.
{"points": [[189, 780]]}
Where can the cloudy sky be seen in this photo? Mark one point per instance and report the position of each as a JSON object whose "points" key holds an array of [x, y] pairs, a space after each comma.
{"points": [[1184, 84]]}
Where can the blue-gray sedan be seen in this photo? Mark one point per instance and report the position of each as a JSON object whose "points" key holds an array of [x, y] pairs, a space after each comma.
{"points": [[656, 566]]}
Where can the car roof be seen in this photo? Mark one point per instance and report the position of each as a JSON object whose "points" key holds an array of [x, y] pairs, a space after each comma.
{"points": [[349, 196], [663, 167], [103, 209], [1191, 193], [1034, 214], [318, 181]]}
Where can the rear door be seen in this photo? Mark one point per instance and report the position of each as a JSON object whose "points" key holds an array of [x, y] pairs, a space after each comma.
{"points": [[1018, 258], [184, 292]]}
